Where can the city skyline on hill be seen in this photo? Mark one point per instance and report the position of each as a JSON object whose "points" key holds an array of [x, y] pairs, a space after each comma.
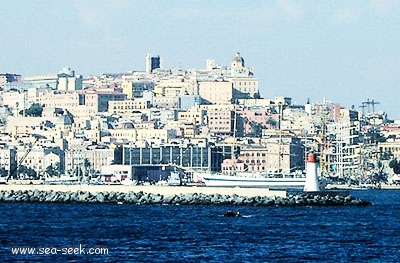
{"points": [[343, 51]]}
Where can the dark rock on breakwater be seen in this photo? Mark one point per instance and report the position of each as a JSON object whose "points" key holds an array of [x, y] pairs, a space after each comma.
{"points": [[301, 199]]}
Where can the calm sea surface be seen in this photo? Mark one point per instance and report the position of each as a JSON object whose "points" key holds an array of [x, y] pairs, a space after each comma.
{"points": [[139, 233]]}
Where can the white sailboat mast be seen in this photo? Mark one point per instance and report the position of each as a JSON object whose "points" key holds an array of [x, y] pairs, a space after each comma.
{"points": [[233, 157]]}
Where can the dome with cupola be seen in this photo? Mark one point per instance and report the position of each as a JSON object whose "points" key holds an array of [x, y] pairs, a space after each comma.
{"points": [[126, 125], [237, 61]]}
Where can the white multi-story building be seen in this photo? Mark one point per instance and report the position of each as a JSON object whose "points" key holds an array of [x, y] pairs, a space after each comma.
{"points": [[15, 100], [65, 80], [135, 88], [195, 116], [93, 158], [82, 103], [127, 106], [39, 159]]}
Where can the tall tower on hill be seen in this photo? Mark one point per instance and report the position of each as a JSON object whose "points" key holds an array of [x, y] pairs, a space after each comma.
{"points": [[152, 63]]}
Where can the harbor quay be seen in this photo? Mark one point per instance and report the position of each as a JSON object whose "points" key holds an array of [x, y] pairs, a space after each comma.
{"points": [[169, 195]]}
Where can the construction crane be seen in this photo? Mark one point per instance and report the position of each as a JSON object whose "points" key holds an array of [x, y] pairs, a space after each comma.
{"points": [[363, 106], [12, 172], [373, 103], [369, 103]]}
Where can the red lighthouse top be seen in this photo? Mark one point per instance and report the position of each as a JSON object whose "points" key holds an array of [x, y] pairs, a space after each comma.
{"points": [[311, 158]]}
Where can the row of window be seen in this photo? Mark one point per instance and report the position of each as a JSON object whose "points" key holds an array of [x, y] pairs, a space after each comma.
{"points": [[255, 161], [219, 118], [255, 154], [222, 113], [229, 168], [220, 122], [253, 90], [250, 83], [189, 116]]}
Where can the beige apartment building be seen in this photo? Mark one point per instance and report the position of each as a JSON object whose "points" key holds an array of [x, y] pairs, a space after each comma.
{"points": [[165, 102], [252, 116], [176, 86], [221, 122], [133, 89], [216, 92], [127, 106], [134, 135], [274, 155], [195, 116], [96, 158], [82, 103], [39, 159], [244, 88]]}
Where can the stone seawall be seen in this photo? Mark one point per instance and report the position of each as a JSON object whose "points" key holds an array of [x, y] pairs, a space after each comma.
{"points": [[151, 189], [168, 195]]}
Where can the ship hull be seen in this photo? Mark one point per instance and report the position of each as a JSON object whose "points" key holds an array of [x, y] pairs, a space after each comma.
{"points": [[238, 181]]}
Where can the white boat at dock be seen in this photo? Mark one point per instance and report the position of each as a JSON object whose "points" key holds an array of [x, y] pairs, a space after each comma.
{"points": [[253, 180], [285, 182], [63, 179]]}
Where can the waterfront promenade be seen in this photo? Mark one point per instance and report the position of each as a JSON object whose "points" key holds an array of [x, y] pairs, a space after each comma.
{"points": [[356, 187]]}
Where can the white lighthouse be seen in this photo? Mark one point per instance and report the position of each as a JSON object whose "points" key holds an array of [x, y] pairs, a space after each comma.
{"points": [[312, 183]]}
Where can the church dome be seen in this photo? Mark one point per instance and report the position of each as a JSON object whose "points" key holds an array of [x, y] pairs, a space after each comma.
{"points": [[238, 60], [64, 120], [127, 125]]}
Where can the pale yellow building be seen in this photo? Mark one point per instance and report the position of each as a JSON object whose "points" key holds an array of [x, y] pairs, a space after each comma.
{"points": [[216, 92], [127, 106], [175, 86], [133, 135], [82, 103], [195, 116], [245, 87], [135, 88], [127, 88], [273, 155], [166, 102]]}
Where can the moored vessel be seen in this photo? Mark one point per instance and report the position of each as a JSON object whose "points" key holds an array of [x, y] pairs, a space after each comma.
{"points": [[256, 180]]}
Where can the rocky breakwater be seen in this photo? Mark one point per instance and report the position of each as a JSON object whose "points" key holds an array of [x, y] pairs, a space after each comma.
{"points": [[131, 197]]}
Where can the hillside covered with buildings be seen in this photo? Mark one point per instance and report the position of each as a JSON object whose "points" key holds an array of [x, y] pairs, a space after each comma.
{"points": [[143, 122]]}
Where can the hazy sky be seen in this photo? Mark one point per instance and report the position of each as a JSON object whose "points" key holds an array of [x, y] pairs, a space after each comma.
{"points": [[345, 51]]}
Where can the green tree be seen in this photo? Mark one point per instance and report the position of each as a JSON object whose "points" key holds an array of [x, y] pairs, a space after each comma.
{"points": [[87, 167], [256, 129], [271, 122], [35, 110], [53, 169], [395, 165], [3, 172], [27, 171]]}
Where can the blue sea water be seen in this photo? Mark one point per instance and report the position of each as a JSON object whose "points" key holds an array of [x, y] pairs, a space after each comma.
{"points": [[152, 233]]}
